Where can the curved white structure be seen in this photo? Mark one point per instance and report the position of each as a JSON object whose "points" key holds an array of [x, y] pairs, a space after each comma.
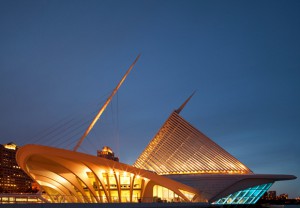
{"points": [[179, 164], [180, 148], [181, 152], [68, 176]]}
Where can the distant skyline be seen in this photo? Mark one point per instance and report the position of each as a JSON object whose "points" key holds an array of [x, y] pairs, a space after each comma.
{"points": [[59, 60]]}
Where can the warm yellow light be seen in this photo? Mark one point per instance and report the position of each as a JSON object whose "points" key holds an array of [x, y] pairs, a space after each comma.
{"points": [[10, 146]]}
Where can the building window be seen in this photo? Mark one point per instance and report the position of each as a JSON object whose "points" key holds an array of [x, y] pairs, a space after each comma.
{"points": [[247, 196]]}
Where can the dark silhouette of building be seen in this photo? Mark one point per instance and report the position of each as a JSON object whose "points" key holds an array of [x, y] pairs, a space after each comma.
{"points": [[107, 153], [283, 196], [272, 195], [12, 178]]}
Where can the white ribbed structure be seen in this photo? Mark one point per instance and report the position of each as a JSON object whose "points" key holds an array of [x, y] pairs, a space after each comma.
{"points": [[179, 148], [73, 177]]}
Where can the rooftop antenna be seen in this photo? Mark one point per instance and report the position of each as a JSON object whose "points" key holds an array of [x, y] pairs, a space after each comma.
{"points": [[105, 105], [183, 104]]}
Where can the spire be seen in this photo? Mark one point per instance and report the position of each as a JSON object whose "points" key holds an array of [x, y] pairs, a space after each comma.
{"points": [[105, 105], [183, 105]]}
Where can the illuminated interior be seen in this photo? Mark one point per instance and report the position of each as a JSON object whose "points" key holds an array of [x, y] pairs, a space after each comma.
{"points": [[111, 186], [108, 186], [180, 164], [72, 177], [247, 196], [11, 146]]}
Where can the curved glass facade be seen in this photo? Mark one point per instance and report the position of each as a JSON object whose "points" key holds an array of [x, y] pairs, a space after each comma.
{"points": [[108, 186], [246, 196], [162, 194]]}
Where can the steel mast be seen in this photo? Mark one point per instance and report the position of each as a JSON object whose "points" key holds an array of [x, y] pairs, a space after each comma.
{"points": [[105, 105]]}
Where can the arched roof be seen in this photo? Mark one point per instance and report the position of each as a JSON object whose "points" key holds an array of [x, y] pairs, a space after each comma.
{"points": [[67, 173]]}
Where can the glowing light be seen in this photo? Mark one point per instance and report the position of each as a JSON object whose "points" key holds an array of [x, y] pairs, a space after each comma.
{"points": [[204, 172], [10, 146], [247, 196], [176, 136]]}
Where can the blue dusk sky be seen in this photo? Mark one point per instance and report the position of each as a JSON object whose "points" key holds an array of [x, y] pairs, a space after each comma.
{"points": [[60, 59]]}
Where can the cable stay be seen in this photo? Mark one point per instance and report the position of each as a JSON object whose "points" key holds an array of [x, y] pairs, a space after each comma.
{"points": [[65, 126]]}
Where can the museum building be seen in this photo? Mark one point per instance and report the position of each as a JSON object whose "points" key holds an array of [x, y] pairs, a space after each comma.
{"points": [[180, 164]]}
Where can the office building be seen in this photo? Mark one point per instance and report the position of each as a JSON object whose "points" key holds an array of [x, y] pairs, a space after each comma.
{"points": [[12, 178]]}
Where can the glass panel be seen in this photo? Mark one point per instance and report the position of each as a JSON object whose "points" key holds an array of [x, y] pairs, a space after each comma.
{"points": [[136, 195], [112, 182], [124, 182], [137, 182], [114, 196], [162, 194], [125, 196], [247, 196], [187, 194]]}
